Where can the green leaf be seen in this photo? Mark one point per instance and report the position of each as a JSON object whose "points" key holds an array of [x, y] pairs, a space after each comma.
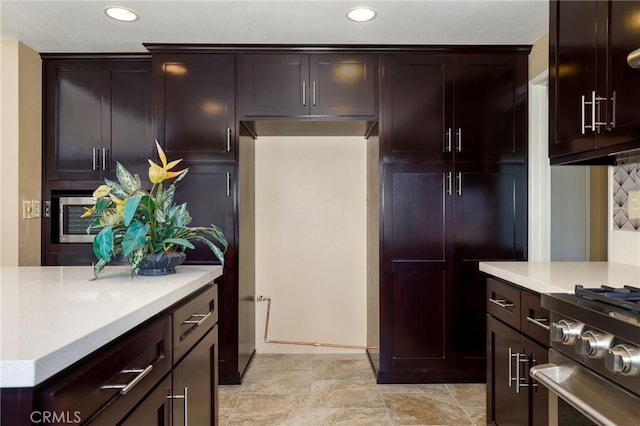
{"points": [[135, 257], [99, 267], [103, 244], [160, 216], [102, 204], [130, 207], [126, 179], [179, 241], [215, 249], [134, 238], [116, 189]]}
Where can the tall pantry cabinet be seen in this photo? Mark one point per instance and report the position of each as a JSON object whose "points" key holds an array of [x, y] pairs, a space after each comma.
{"points": [[453, 133], [195, 119]]}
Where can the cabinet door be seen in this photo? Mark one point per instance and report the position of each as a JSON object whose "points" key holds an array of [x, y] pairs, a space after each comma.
{"points": [[490, 224], [274, 85], [195, 105], [209, 194], [506, 405], [73, 119], [343, 85], [623, 81], [130, 140], [538, 395], [490, 122], [417, 104], [155, 408], [572, 69], [194, 383], [416, 269]]}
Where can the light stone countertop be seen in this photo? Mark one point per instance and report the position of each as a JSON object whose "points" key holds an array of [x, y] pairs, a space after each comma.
{"points": [[562, 277], [53, 316]]}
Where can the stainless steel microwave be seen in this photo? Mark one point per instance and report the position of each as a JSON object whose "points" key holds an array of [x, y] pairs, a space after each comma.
{"points": [[72, 228]]}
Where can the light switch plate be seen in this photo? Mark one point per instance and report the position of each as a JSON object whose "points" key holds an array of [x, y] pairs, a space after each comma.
{"points": [[35, 208], [26, 209], [634, 204]]}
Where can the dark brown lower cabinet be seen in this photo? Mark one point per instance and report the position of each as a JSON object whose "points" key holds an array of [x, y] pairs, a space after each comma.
{"points": [[173, 371], [513, 396], [155, 409]]}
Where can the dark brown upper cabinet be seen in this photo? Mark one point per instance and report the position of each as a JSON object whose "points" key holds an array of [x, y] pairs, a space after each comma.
{"points": [[594, 93], [97, 112], [317, 85], [194, 105], [462, 108]]}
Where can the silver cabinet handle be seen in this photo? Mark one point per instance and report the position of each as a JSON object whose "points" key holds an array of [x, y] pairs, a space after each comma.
{"points": [[517, 379], [504, 304], [228, 184], [95, 161], [613, 110], [185, 401], [449, 183], [593, 111], [517, 355], [203, 318], [510, 372], [459, 181], [447, 148], [228, 139], [584, 105], [140, 374], [539, 322], [459, 135], [105, 153], [304, 93], [313, 93]]}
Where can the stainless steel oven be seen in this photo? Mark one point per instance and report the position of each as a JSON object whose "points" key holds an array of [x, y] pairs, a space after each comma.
{"points": [[593, 373], [72, 228]]}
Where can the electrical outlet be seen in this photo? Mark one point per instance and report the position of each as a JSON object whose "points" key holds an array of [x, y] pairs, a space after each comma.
{"points": [[35, 207], [634, 204], [27, 210]]}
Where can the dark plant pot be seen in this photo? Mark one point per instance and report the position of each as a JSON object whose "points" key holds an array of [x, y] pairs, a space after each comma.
{"points": [[161, 263]]}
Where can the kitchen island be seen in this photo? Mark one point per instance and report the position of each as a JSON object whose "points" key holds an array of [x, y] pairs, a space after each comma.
{"points": [[57, 324]]}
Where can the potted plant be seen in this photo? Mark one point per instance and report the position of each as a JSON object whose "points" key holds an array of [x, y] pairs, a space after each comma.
{"points": [[146, 227]]}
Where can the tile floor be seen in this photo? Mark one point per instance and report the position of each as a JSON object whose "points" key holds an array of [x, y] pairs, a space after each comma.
{"points": [[341, 390]]}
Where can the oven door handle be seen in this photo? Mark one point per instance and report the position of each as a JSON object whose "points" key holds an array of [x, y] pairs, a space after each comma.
{"points": [[590, 394]]}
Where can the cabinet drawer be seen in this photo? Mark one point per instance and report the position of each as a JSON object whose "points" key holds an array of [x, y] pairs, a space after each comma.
{"points": [[114, 379], [535, 319], [192, 319], [503, 302]]}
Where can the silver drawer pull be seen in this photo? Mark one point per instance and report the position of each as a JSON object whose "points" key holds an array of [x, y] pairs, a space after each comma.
{"points": [[124, 389], [539, 322], [202, 319], [185, 402], [504, 304]]}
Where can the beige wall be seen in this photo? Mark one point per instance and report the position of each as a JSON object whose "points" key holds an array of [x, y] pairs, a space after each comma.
{"points": [[9, 153], [20, 153], [311, 240], [539, 56]]}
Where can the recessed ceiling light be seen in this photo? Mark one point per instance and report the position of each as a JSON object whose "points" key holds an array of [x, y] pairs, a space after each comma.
{"points": [[361, 14], [121, 14]]}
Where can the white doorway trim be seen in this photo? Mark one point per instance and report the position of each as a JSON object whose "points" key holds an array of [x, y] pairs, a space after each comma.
{"points": [[539, 198]]}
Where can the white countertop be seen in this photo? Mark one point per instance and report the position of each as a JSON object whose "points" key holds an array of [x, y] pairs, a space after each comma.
{"points": [[562, 277], [53, 316]]}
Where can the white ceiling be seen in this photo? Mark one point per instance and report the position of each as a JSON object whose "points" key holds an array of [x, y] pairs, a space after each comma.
{"points": [[82, 26]]}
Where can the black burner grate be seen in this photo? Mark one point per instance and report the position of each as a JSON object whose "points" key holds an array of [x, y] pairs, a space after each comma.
{"points": [[626, 297]]}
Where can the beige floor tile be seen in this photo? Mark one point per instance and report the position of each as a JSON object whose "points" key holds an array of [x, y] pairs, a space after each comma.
{"points": [[477, 414], [345, 394], [228, 395], [282, 362], [278, 381], [352, 368], [469, 395], [350, 416], [414, 388], [424, 409], [271, 409]]}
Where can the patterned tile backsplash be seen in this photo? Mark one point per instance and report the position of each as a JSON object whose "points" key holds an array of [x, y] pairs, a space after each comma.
{"points": [[626, 178]]}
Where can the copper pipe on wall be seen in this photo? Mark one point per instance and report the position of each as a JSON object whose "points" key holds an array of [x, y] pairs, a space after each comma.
{"points": [[291, 342]]}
